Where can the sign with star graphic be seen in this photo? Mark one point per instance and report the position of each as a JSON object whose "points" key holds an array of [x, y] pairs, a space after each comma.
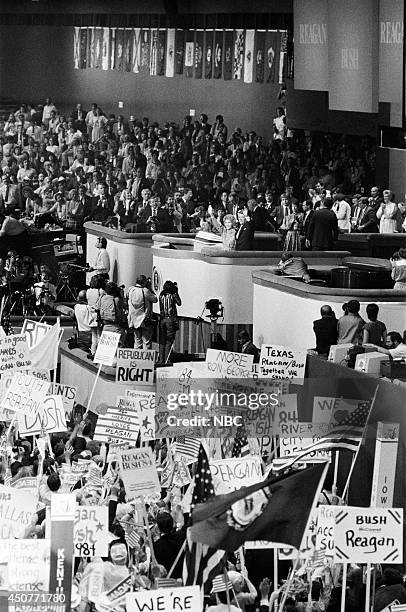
{"points": [[14, 353], [144, 402], [91, 531]]}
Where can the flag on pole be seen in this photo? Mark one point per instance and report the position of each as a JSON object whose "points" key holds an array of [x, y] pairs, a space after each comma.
{"points": [[179, 51], [241, 447], [189, 53], [136, 53], [228, 54], [276, 510], [153, 58], [106, 49], [259, 55], [208, 54], [249, 56], [201, 563], [345, 435], [170, 53], [187, 448], [271, 59], [44, 354], [238, 62], [161, 52], [198, 53], [76, 48], [218, 54]]}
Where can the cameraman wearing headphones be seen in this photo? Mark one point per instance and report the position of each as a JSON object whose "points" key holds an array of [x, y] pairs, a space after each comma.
{"points": [[168, 326], [140, 300]]}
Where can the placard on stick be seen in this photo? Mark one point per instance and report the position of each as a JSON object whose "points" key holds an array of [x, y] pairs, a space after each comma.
{"points": [[106, 349], [91, 531], [282, 362], [50, 418], [14, 353], [17, 507], [231, 474], [135, 366], [28, 564], [229, 364], [25, 394], [368, 535], [121, 423], [138, 471], [145, 405], [181, 599]]}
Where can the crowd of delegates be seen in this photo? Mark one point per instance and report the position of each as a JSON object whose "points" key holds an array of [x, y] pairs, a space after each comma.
{"points": [[351, 328], [149, 560], [140, 176]]}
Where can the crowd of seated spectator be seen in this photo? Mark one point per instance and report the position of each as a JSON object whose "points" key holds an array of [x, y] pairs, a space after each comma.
{"points": [[139, 176]]}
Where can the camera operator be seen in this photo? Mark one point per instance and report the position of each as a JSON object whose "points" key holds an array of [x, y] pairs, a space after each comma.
{"points": [[45, 293], [140, 300], [168, 326]]}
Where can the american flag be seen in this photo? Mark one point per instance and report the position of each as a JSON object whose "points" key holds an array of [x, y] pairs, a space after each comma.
{"points": [[166, 583], [132, 537], [201, 563], [241, 447], [346, 435], [187, 448]]}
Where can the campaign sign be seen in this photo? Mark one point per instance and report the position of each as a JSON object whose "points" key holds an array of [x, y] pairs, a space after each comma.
{"points": [[91, 531], [68, 395], [17, 507], [28, 564], [14, 353], [181, 599], [135, 366], [231, 474], [144, 402], [25, 394], [106, 349], [227, 364], [121, 423], [50, 418], [368, 535], [325, 529], [138, 471], [282, 362]]}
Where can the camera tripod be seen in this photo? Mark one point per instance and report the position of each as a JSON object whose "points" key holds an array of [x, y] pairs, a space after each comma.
{"points": [[63, 286]]}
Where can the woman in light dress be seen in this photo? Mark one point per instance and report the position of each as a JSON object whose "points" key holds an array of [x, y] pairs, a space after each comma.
{"points": [[388, 213]]}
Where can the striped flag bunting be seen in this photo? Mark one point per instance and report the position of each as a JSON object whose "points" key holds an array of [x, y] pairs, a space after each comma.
{"points": [[132, 537], [241, 447], [201, 563]]}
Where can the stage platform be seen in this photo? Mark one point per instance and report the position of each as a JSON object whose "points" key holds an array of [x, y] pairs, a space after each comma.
{"points": [[371, 245]]}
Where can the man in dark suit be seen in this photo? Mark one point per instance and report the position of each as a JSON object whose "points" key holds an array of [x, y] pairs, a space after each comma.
{"points": [[167, 547], [308, 211], [258, 215], [367, 220], [139, 184], [376, 198], [325, 330], [323, 229], [245, 234], [246, 345], [78, 116]]}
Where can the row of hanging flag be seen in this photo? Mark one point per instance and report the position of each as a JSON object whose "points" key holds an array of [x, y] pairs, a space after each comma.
{"points": [[251, 56]]}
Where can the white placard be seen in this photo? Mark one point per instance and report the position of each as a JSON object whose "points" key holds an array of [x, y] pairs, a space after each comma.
{"points": [[25, 394], [135, 366], [234, 473], [282, 362], [145, 404], [106, 349], [181, 599], [368, 535], [51, 418], [121, 423], [68, 394], [28, 564], [386, 451], [17, 507], [14, 353], [325, 529], [91, 531], [227, 364], [138, 471]]}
